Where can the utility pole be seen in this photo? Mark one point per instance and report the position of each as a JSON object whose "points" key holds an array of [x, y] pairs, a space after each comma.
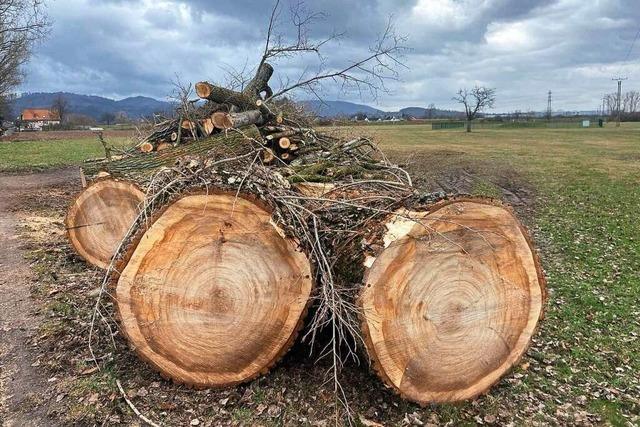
{"points": [[618, 102], [549, 106], [604, 113]]}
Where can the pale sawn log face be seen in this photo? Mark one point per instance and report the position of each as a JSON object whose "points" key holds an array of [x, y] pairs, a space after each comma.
{"points": [[99, 218], [213, 294], [452, 302]]}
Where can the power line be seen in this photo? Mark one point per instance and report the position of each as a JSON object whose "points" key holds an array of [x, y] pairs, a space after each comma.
{"points": [[633, 43], [631, 47]]}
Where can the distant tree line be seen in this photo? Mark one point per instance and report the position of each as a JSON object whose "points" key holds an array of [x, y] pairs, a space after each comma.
{"points": [[629, 105]]}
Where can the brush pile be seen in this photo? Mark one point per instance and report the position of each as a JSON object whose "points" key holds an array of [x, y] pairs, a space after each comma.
{"points": [[250, 217]]}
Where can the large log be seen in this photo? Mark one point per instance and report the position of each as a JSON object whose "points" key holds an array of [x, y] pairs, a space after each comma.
{"points": [[99, 218], [226, 121], [221, 95], [213, 294], [452, 301]]}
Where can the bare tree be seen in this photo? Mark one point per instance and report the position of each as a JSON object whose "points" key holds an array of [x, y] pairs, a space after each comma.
{"points": [[475, 101], [431, 111], [61, 106], [23, 23], [631, 102], [611, 103]]}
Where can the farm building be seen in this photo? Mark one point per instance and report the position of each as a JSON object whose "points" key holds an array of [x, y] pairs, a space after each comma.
{"points": [[37, 118]]}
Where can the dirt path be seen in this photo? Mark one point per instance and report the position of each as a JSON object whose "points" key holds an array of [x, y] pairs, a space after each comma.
{"points": [[23, 390]]}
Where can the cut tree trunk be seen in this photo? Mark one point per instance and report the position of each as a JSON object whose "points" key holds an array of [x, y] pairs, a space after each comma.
{"points": [[221, 95], [213, 294], [146, 147], [221, 120], [452, 301], [284, 143], [226, 121], [100, 217], [164, 146], [208, 126]]}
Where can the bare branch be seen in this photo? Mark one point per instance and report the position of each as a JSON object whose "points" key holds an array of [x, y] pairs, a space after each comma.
{"points": [[369, 73]]}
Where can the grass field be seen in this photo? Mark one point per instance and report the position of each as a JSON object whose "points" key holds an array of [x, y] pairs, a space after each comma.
{"points": [[38, 155], [582, 202]]}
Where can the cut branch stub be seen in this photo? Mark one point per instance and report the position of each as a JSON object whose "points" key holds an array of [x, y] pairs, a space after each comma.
{"points": [[100, 217], [213, 294], [452, 302]]}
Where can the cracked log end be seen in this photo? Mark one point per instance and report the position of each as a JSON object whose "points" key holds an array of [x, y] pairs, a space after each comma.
{"points": [[451, 303], [213, 294], [99, 218]]}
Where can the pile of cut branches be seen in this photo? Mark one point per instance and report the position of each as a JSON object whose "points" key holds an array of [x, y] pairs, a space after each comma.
{"points": [[238, 216]]}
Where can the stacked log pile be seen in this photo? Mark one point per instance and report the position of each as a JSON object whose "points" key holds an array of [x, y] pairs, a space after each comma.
{"points": [[249, 214]]}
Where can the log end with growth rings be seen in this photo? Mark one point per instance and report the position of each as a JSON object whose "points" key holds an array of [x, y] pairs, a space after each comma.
{"points": [[213, 294], [100, 217], [452, 301], [203, 89], [146, 147]]}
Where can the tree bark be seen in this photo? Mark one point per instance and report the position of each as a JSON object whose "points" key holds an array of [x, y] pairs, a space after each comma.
{"points": [[99, 218], [213, 294], [468, 125], [260, 83], [452, 301]]}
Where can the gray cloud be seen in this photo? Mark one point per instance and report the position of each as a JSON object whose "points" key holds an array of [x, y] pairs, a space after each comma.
{"points": [[522, 48]]}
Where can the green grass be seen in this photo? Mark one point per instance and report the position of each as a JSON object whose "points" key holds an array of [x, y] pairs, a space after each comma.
{"points": [[39, 155]]}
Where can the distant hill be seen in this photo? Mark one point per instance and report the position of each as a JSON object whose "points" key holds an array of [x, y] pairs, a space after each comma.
{"points": [[141, 106], [94, 106], [339, 108], [331, 109]]}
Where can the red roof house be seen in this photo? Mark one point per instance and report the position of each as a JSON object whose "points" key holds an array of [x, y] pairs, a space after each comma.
{"points": [[36, 118]]}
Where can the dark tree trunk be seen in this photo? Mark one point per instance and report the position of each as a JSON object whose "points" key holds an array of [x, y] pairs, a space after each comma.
{"points": [[260, 83], [468, 125]]}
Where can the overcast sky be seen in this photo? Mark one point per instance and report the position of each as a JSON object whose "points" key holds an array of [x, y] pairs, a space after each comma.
{"points": [[523, 48]]}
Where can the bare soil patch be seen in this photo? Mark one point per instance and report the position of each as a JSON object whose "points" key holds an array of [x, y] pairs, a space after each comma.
{"points": [[456, 172], [24, 388]]}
